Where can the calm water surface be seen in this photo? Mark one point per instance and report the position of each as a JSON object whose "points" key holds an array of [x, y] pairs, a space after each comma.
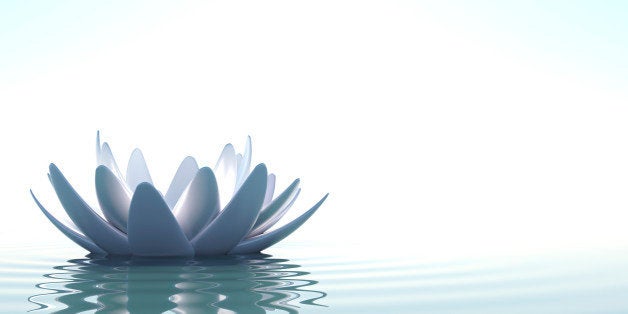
{"points": [[310, 279]]}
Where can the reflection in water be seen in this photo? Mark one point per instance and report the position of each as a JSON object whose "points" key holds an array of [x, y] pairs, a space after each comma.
{"points": [[241, 284]]}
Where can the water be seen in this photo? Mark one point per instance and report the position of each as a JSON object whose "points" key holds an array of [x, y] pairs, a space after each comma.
{"points": [[310, 279]]}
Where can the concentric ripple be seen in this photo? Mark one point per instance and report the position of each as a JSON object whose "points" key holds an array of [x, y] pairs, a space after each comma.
{"points": [[309, 279], [240, 284]]}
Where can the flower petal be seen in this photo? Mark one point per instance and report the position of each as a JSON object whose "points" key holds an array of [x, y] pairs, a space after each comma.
{"points": [[153, 230], [107, 159], [261, 242], [236, 220], [137, 171], [185, 173], [78, 238], [270, 189], [91, 224], [244, 167], [268, 215], [98, 148], [226, 173], [114, 198], [199, 204], [275, 218]]}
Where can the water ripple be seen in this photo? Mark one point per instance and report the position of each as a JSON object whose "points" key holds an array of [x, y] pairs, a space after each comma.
{"points": [[314, 281], [251, 284]]}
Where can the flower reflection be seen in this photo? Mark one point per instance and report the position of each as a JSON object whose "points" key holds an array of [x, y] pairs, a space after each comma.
{"points": [[240, 284]]}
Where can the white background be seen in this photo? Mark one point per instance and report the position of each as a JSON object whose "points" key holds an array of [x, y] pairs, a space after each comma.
{"points": [[433, 129]]}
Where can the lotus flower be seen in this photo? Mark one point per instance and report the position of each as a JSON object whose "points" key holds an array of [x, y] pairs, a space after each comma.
{"points": [[227, 210]]}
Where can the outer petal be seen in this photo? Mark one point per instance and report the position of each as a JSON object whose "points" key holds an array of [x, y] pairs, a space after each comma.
{"points": [[261, 242], [185, 173], [199, 204], [244, 167], [137, 171], [114, 198], [236, 220], [226, 173], [268, 216], [98, 230], [153, 230], [275, 218], [107, 159], [270, 189], [78, 238]]}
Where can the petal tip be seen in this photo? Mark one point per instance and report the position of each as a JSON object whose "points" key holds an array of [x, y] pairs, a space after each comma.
{"points": [[261, 167], [144, 187], [101, 168]]}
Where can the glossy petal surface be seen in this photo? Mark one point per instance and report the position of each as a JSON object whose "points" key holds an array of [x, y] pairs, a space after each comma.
{"points": [[153, 230], [91, 224], [268, 215], [226, 173], [184, 175], [137, 171], [98, 148], [270, 189], [199, 204], [114, 198], [245, 165], [107, 159], [275, 218], [261, 242], [78, 238], [236, 220]]}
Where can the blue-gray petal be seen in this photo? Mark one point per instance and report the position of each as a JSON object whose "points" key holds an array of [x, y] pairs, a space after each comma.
{"points": [[185, 173], [114, 197], [98, 148], [137, 171], [199, 204], [261, 242], [226, 171], [78, 238], [107, 159], [270, 189], [275, 218], [236, 220], [269, 214], [245, 165], [91, 224], [153, 230]]}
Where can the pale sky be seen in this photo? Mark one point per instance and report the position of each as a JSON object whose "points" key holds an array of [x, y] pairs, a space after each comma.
{"points": [[434, 126]]}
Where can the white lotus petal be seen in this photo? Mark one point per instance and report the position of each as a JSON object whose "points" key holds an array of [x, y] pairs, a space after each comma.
{"points": [[114, 198], [153, 230], [91, 224], [98, 148], [267, 216], [199, 204], [239, 161], [66, 221], [185, 173], [226, 173], [236, 220], [78, 238], [261, 242], [107, 159], [270, 189], [245, 165], [274, 218], [137, 171]]}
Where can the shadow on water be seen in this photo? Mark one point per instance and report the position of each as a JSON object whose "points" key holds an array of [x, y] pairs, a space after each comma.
{"points": [[241, 284]]}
